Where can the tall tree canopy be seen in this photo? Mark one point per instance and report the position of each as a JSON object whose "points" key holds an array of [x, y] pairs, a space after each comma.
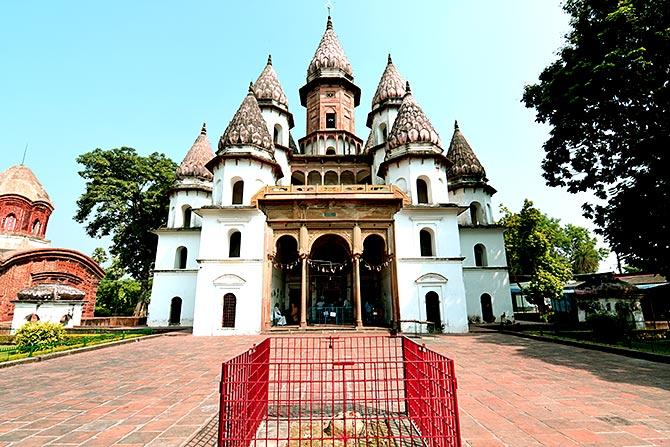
{"points": [[539, 248], [126, 197], [607, 98]]}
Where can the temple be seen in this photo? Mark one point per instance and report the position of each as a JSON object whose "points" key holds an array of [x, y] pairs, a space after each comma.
{"points": [[394, 231]]}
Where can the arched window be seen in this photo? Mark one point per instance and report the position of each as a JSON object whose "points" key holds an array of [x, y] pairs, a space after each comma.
{"points": [[37, 226], [175, 311], [480, 255], [331, 151], [298, 178], [331, 121], [235, 243], [278, 134], [477, 216], [314, 178], [383, 134], [238, 192], [330, 178], [229, 306], [187, 217], [218, 192], [421, 191], [9, 223], [180, 258], [426, 243], [347, 178]]}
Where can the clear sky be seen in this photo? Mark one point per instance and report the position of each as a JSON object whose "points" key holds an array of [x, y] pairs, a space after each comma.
{"points": [[76, 75]]}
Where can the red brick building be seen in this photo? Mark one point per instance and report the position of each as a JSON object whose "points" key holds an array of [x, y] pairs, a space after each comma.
{"points": [[26, 258]]}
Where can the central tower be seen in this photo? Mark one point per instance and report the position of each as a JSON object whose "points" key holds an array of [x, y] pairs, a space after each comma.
{"points": [[330, 97]]}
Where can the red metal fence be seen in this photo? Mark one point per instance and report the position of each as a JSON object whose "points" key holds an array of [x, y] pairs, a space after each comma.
{"points": [[332, 391]]}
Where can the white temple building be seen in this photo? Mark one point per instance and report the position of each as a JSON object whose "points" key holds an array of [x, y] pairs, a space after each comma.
{"points": [[394, 232]]}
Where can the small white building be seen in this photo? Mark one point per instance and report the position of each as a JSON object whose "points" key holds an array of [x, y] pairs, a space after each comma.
{"points": [[57, 303], [397, 232]]}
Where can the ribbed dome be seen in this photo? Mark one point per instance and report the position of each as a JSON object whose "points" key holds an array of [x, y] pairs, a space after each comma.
{"points": [[465, 163], [247, 128], [196, 158], [329, 54], [268, 88], [391, 85], [411, 125], [21, 181]]}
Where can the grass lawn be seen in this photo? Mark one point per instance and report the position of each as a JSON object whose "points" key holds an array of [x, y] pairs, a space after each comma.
{"points": [[72, 341], [655, 346]]}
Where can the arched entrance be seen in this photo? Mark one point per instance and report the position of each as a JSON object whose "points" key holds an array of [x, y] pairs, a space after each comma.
{"points": [[175, 311], [433, 310], [330, 296], [286, 281], [375, 282], [487, 308]]}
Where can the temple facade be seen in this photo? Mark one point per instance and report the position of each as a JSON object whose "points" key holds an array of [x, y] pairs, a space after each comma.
{"points": [[395, 231]]}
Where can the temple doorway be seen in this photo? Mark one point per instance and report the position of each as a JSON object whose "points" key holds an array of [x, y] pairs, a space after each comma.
{"points": [[330, 296], [375, 283], [433, 314], [286, 280]]}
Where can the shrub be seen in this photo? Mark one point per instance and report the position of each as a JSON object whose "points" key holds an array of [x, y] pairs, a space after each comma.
{"points": [[606, 327], [38, 335]]}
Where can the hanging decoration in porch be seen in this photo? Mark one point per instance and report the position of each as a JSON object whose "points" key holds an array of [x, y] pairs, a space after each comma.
{"points": [[287, 266], [327, 266], [376, 267]]}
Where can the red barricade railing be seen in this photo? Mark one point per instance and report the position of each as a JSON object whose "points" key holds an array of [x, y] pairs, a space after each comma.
{"points": [[338, 392]]}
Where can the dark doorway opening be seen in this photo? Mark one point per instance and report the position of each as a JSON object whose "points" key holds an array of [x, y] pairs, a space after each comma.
{"points": [[433, 314], [330, 297], [175, 311], [487, 308]]}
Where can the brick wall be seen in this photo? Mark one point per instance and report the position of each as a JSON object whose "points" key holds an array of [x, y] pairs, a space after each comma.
{"points": [[50, 265]]}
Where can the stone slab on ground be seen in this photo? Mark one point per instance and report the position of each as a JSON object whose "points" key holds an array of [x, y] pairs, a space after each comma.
{"points": [[512, 391]]}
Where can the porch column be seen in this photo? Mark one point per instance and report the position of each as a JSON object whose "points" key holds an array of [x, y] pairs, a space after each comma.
{"points": [[303, 241], [357, 290], [303, 293]]}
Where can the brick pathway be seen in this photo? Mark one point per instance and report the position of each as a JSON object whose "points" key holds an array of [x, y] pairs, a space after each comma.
{"points": [[512, 391]]}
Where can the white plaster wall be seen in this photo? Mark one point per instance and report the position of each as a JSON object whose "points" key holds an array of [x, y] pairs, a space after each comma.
{"points": [[495, 282], [51, 311], [167, 285], [411, 169], [413, 287], [15, 242], [243, 278], [446, 262], [272, 117], [220, 274], [465, 196], [169, 241], [491, 238], [442, 223], [386, 116], [180, 199], [254, 174]]}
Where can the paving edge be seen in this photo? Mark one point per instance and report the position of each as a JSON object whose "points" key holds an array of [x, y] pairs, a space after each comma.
{"points": [[651, 356], [53, 355]]}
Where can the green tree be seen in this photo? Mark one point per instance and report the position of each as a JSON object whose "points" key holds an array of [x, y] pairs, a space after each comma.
{"points": [[581, 249], [533, 243], [126, 198], [607, 99]]}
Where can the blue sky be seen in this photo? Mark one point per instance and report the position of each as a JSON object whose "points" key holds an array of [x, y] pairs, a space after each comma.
{"points": [[77, 75]]}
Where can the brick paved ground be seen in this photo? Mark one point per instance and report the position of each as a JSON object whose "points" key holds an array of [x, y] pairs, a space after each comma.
{"points": [[512, 391]]}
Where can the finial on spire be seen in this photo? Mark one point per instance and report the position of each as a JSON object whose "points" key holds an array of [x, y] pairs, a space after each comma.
{"points": [[408, 90], [269, 59], [329, 23], [203, 130], [329, 6], [25, 151], [390, 61], [251, 89], [455, 124]]}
